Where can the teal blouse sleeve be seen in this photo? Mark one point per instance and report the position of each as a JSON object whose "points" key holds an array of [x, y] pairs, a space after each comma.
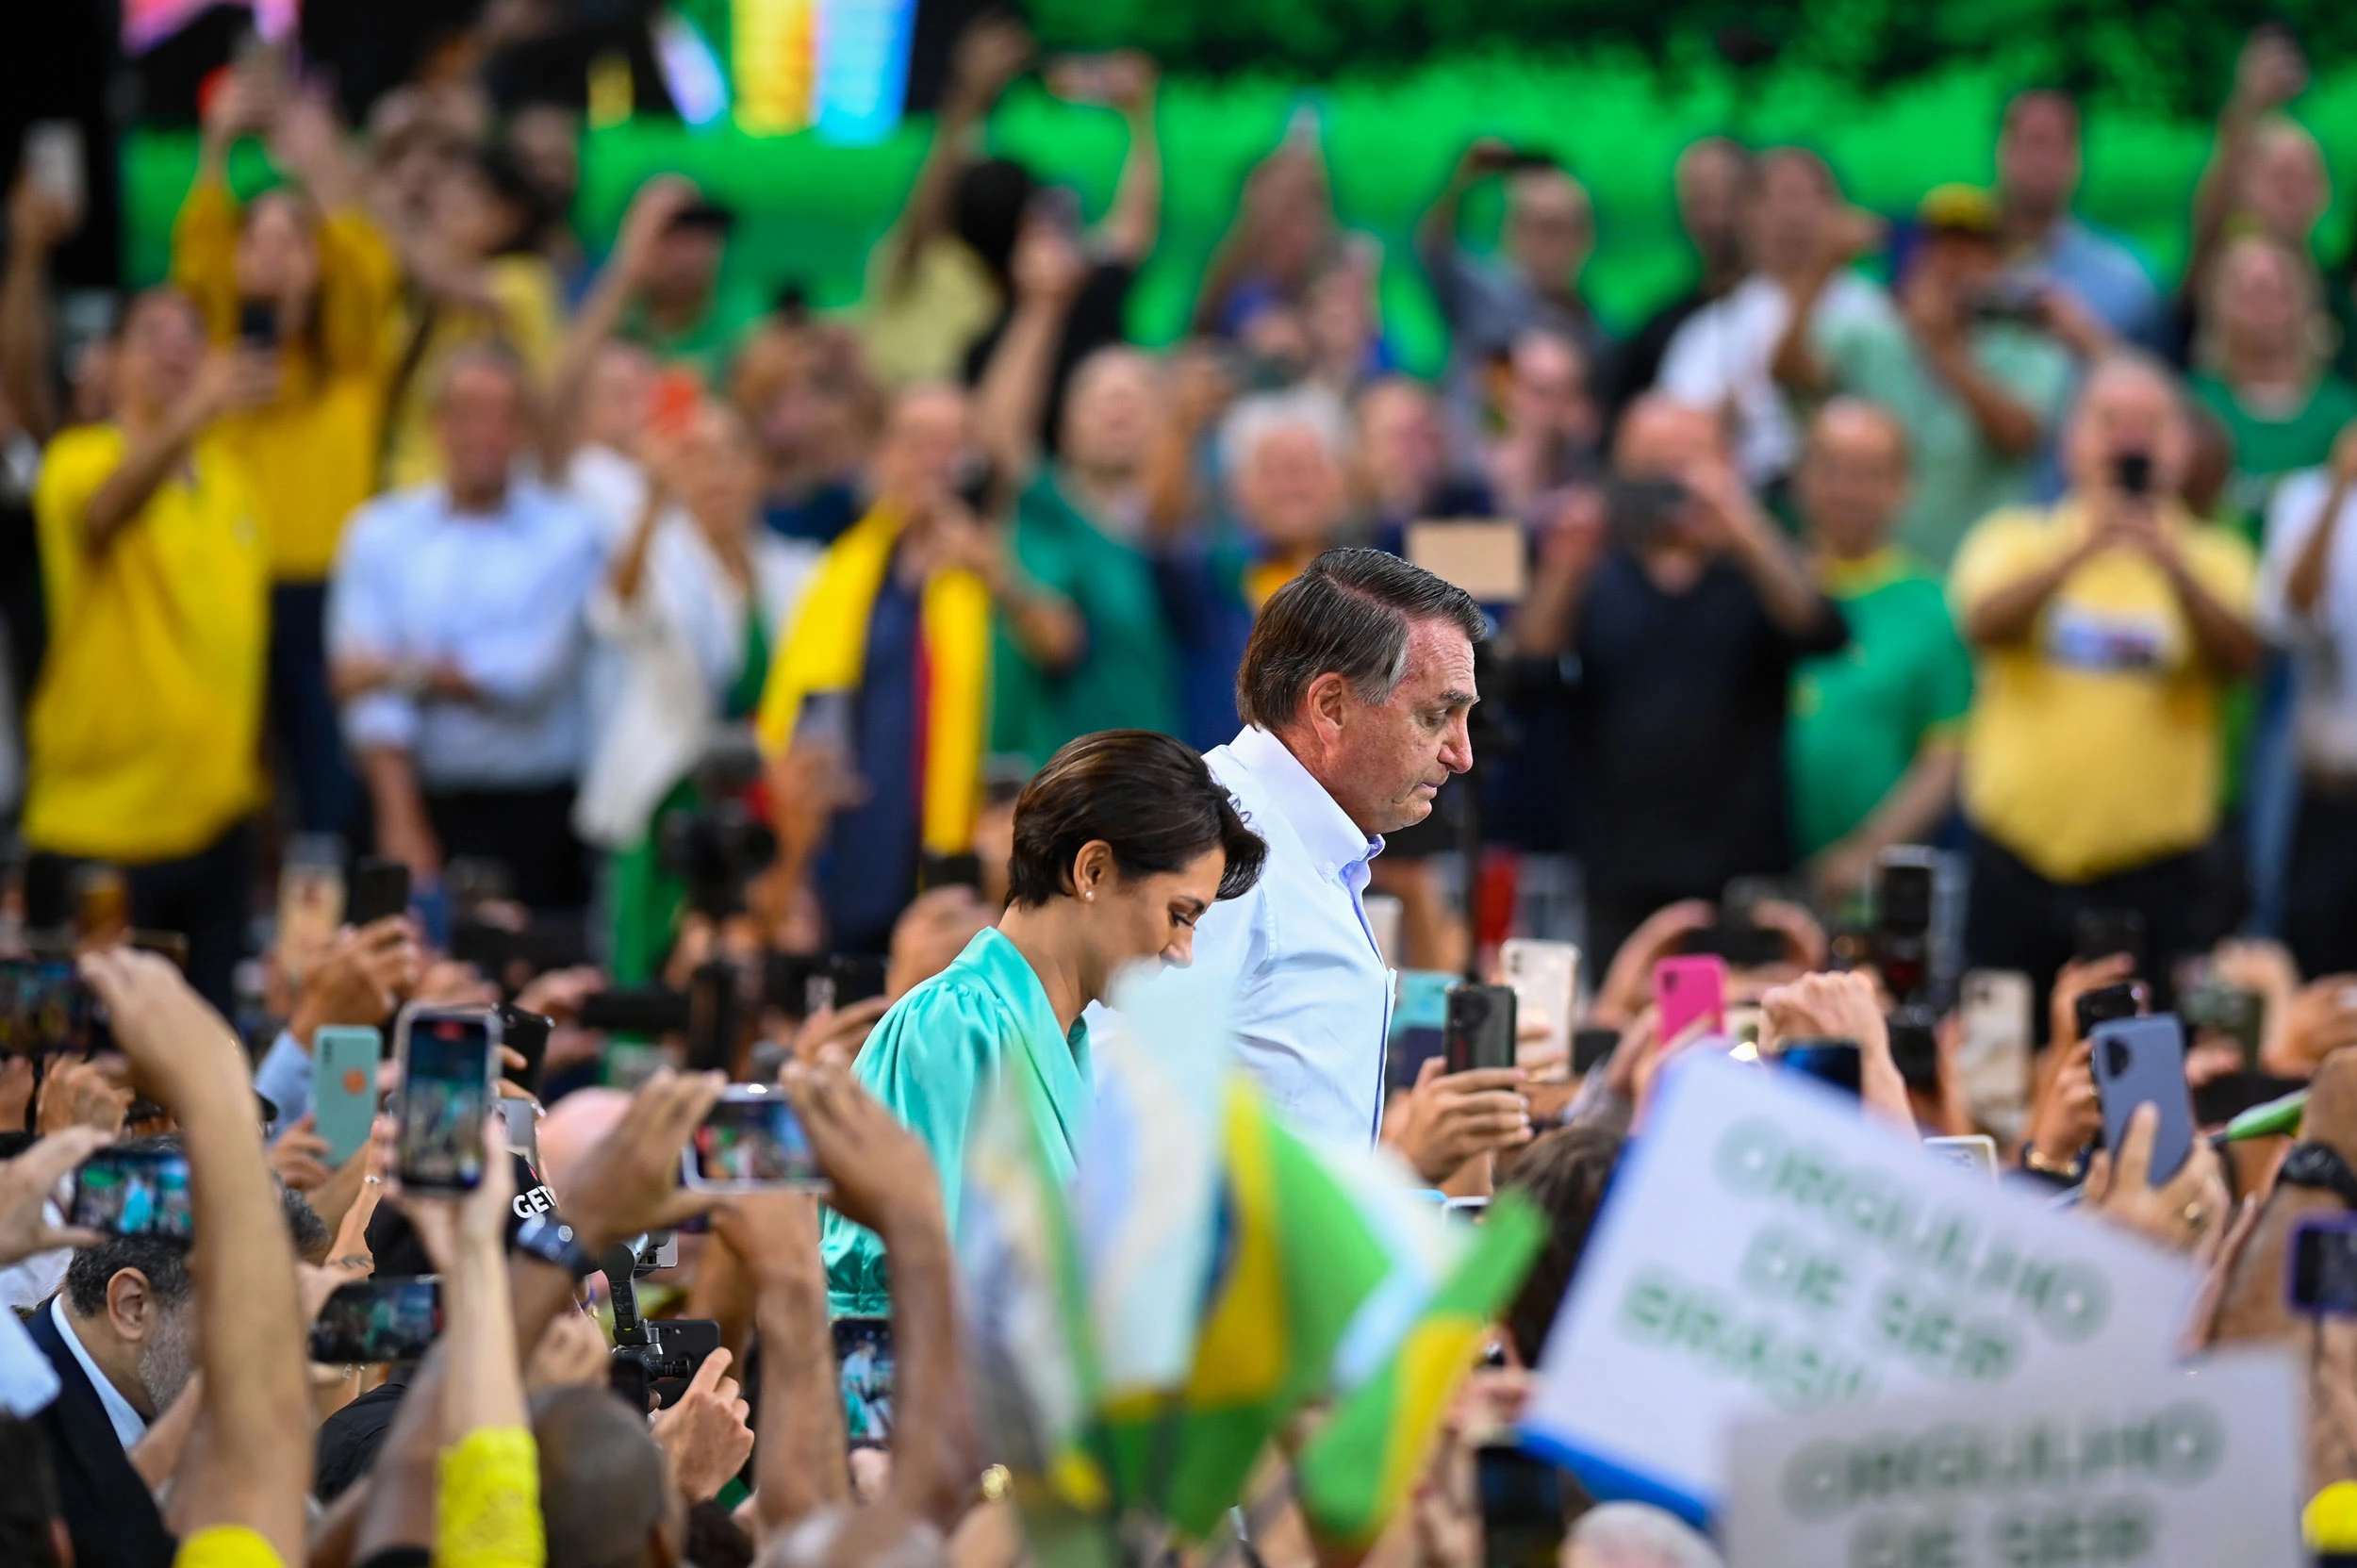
{"points": [[925, 1061]]}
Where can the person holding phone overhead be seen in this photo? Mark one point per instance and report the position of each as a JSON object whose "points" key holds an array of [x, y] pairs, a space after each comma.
{"points": [[2104, 629], [1122, 843]]}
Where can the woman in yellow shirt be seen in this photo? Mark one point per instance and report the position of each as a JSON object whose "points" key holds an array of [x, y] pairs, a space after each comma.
{"points": [[303, 270]]}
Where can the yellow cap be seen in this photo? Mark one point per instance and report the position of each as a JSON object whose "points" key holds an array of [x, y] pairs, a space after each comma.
{"points": [[1959, 210]]}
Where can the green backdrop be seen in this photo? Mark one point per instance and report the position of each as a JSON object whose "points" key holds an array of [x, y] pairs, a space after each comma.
{"points": [[808, 211]]}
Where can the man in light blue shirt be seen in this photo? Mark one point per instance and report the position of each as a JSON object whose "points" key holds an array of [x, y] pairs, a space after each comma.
{"points": [[1354, 692], [2037, 175], [457, 638]]}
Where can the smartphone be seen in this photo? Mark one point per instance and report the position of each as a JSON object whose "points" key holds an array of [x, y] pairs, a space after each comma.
{"points": [[374, 1321], [1915, 1047], [44, 1007], [1684, 989], [2127, 1000], [1479, 1029], [676, 394], [1592, 1049], [1972, 1151], [57, 161], [1742, 947], [2133, 473], [528, 1033], [379, 887], [2140, 1060], [448, 1082], [2238, 1014], [864, 1369], [133, 1192], [343, 1087], [1102, 78], [2102, 932], [1522, 1507], [1993, 1055], [257, 324], [2321, 1266], [1545, 979], [749, 1140], [1830, 1062], [1903, 890]]}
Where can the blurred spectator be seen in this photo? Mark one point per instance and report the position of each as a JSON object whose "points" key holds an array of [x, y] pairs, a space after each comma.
{"points": [[1734, 357], [616, 413], [928, 294], [1492, 304], [806, 395], [544, 142], [2038, 167], [2104, 628], [1876, 728], [1286, 456], [1548, 422], [146, 730], [2308, 603], [1686, 613], [680, 311], [1972, 371], [2261, 365], [473, 278], [1404, 471], [885, 675], [1708, 181], [694, 602], [301, 271], [455, 641], [1342, 322], [2265, 172], [1075, 520], [1283, 232]]}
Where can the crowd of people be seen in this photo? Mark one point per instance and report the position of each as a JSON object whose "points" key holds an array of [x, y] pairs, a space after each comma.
{"points": [[661, 630]]}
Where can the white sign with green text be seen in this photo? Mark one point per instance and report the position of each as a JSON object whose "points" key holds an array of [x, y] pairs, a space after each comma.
{"points": [[2194, 1469], [1767, 1249]]}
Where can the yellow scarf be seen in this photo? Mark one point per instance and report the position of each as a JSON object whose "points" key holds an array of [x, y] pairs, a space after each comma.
{"points": [[828, 646]]}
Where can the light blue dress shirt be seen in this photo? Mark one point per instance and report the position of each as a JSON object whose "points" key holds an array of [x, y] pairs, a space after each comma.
{"points": [[503, 596], [1313, 999], [2107, 276]]}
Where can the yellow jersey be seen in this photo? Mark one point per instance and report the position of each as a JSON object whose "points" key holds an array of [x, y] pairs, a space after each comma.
{"points": [[145, 732], [2092, 743]]}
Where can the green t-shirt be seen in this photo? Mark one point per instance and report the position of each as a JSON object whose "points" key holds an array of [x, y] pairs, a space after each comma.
{"points": [[1956, 477], [1859, 717], [2267, 448], [1126, 677], [705, 343]]}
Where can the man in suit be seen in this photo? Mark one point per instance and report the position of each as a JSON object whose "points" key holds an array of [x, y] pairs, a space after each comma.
{"points": [[122, 1338]]}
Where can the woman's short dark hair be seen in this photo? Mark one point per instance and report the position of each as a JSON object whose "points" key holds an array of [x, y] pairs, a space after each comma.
{"points": [[1350, 612], [1565, 1173], [1149, 797]]}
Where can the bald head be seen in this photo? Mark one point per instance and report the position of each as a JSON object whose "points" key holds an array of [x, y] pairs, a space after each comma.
{"points": [[603, 1491], [1662, 439], [925, 436], [2129, 404], [1853, 476]]}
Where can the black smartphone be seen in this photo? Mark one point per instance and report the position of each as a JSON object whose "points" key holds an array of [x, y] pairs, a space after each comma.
{"points": [[1592, 1048], [257, 324], [2238, 1014], [1640, 508], [862, 1360], [2127, 1000], [856, 976], [2322, 1266], [1829, 1062], [449, 1083], [379, 887], [133, 1192], [1743, 946], [1915, 1047], [1479, 1031], [528, 1033], [374, 1321], [1522, 1507], [44, 1007], [2133, 473], [1903, 893], [2102, 932]]}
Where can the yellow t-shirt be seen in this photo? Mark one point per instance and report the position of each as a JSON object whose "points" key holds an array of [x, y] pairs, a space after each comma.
{"points": [[313, 451], [526, 312], [226, 1546], [2092, 744], [145, 732], [486, 1511], [918, 328]]}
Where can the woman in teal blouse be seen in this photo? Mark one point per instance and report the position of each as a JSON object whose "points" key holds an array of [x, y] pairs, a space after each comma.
{"points": [[1121, 843]]}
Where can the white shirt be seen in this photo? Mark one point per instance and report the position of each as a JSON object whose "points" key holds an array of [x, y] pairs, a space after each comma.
{"points": [[1720, 358], [129, 1424], [2323, 642], [1313, 999]]}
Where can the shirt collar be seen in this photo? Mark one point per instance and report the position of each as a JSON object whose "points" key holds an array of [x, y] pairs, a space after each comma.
{"points": [[129, 1424], [1325, 829], [1865, 575]]}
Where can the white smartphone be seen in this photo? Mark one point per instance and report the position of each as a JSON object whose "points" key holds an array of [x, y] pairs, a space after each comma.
{"points": [[1545, 978], [1993, 1056], [56, 161], [1974, 1151]]}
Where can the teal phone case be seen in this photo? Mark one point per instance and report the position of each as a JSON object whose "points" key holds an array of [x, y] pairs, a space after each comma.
{"points": [[343, 1087]]}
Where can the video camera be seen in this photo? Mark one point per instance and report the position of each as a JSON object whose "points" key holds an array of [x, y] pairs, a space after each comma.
{"points": [[654, 1360], [722, 844]]}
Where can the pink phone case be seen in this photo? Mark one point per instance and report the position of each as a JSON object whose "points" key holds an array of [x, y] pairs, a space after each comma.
{"points": [[1686, 989]]}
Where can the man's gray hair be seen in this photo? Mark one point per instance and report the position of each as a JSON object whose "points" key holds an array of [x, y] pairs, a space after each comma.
{"points": [[1348, 614], [1255, 418]]}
